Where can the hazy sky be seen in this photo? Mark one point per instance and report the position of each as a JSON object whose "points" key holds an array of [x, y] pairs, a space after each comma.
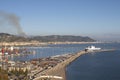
{"points": [[96, 18]]}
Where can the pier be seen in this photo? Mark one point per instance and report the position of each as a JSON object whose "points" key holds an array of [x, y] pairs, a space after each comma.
{"points": [[60, 68], [52, 68]]}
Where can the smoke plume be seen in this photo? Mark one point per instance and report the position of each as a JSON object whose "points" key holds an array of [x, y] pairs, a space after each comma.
{"points": [[13, 21]]}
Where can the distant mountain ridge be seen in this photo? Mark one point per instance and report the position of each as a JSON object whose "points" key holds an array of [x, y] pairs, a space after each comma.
{"points": [[5, 37], [63, 38]]}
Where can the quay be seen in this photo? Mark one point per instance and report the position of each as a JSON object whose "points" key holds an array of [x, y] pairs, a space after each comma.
{"points": [[60, 69], [52, 68]]}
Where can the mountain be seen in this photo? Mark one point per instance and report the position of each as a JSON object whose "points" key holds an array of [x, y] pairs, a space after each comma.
{"points": [[64, 38], [5, 37]]}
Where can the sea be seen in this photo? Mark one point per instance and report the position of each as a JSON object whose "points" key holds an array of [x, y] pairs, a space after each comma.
{"points": [[92, 66]]}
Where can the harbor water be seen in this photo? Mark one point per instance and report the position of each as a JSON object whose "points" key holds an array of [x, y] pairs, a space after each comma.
{"points": [[96, 66], [93, 66]]}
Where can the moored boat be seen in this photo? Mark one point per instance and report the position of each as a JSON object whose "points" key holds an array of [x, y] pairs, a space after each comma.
{"points": [[92, 48]]}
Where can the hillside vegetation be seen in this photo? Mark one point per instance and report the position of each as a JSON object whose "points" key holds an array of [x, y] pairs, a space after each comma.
{"points": [[5, 37]]}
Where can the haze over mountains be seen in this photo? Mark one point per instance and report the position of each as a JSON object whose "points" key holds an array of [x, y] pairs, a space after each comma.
{"points": [[5, 37]]}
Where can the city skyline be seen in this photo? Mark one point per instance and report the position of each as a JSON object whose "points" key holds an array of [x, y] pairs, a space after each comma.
{"points": [[99, 19]]}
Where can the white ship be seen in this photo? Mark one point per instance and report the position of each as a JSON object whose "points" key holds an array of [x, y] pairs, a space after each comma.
{"points": [[92, 48]]}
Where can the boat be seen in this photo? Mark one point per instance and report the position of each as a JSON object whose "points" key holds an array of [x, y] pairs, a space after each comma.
{"points": [[92, 48]]}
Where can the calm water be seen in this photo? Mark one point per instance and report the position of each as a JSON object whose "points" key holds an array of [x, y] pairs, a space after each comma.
{"points": [[52, 50], [94, 66]]}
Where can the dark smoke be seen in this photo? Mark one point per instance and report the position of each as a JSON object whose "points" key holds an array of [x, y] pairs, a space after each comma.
{"points": [[13, 21]]}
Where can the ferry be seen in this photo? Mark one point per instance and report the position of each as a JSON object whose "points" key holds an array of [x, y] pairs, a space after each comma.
{"points": [[92, 48]]}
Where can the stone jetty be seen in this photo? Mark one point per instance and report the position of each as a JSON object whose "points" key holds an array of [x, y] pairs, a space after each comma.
{"points": [[60, 68]]}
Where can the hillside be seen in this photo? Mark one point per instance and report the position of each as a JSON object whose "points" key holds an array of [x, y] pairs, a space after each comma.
{"points": [[5, 37], [64, 38]]}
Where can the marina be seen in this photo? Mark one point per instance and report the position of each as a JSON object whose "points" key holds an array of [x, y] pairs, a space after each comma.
{"points": [[49, 66], [59, 40]]}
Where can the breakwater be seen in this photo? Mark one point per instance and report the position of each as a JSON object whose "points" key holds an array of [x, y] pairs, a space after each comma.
{"points": [[60, 68]]}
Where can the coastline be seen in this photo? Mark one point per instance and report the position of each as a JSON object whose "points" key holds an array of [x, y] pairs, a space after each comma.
{"points": [[41, 43], [60, 69], [53, 67]]}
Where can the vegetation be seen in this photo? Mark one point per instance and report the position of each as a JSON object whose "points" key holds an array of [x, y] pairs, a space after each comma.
{"points": [[3, 74], [53, 38], [4, 37], [18, 74], [14, 74]]}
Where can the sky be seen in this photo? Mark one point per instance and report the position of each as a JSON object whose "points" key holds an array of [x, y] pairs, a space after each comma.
{"points": [[99, 19]]}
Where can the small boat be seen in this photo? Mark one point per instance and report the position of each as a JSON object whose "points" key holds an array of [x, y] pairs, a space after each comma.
{"points": [[92, 48]]}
